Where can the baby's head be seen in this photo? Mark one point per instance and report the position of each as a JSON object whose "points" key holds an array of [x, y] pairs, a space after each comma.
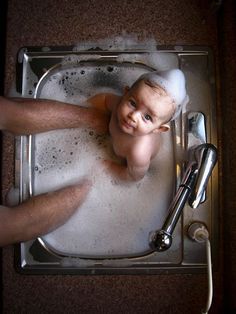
{"points": [[173, 84]]}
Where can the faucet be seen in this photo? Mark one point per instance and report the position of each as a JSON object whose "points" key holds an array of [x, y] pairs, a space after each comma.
{"points": [[192, 188]]}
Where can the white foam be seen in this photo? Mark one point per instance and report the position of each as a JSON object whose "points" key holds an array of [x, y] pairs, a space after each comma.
{"points": [[119, 43]]}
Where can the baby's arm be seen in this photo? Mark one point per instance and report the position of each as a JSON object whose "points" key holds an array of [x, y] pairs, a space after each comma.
{"points": [[135, 169]]}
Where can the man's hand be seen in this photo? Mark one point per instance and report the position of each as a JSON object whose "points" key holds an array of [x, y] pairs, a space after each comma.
{"points": [[98, 120]]}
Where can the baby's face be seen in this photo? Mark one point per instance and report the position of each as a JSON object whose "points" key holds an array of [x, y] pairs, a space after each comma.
{"points": [[143, 110]]}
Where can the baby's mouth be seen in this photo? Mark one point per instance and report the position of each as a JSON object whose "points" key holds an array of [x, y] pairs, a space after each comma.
{"points": [[127, 125]]}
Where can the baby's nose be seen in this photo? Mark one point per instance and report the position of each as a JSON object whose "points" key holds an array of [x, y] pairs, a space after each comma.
{"points": [[134, 116]]}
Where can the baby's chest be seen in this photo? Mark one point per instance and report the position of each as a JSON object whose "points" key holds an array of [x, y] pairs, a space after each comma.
{"points": [[121, 145]]}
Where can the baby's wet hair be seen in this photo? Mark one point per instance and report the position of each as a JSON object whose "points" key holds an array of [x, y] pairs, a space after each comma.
{"points": [[172, 82]]}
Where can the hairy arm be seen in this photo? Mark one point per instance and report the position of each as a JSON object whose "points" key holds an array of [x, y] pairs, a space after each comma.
{"points": [[40, 214], [30, 116]]}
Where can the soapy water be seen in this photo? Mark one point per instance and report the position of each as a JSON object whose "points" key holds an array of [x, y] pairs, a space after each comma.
{"points": [[115, 219]]}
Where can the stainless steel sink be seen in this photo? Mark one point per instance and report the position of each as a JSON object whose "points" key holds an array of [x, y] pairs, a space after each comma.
{"points": [[119, 240]]}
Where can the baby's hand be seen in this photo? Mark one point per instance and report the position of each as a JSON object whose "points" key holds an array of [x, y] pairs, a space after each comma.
{"points": [[110, 166], [127, 173], [114, 169], [107, 164]]}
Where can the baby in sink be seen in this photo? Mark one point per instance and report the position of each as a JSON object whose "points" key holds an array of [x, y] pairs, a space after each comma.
{"points": [[139, 117], [136, 119]]}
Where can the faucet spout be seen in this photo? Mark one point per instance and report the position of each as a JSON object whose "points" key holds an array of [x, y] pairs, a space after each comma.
{"points": [[191, 188], [206, 158]]}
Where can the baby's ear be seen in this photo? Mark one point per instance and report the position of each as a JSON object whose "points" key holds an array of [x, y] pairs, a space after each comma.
{"points": [[162, 128]]}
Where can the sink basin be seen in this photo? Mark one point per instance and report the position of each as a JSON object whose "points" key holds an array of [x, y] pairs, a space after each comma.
{"points": [[110, 232]]}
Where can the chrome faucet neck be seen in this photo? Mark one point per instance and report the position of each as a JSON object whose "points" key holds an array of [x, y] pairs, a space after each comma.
{"points": [[191, 188]]}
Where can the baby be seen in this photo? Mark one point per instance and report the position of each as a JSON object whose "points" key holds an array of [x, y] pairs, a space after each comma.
{"points": [[138, 118]]}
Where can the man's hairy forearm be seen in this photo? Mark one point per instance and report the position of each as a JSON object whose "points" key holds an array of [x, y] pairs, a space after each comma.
{"points": [[29, 116], [40, 214]]}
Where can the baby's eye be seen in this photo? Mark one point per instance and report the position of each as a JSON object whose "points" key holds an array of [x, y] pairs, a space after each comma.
{"points": [[148, 117], [132, 103]]}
